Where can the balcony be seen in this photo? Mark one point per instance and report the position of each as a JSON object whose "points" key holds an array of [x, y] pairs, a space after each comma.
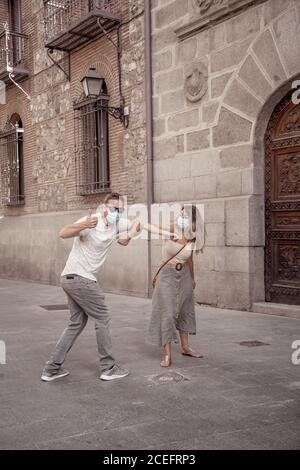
{"points": [[13, 54], [71, 23]]}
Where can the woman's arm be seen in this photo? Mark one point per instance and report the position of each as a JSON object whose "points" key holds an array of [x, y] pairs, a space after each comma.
{"points": [[191, 265], [160, 230]]}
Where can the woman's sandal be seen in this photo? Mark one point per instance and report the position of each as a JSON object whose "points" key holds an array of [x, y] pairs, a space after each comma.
{"points": [[189, 352], [166, 362]]}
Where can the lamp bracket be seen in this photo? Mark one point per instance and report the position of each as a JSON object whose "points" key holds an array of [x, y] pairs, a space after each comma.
{"points": [[67, 74]]}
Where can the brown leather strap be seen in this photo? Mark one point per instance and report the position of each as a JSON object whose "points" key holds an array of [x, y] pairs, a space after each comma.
{"points": [[166, 262]]}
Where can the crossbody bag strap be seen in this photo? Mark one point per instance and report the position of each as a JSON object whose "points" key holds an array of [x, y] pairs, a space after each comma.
{"points": [[166, 262]]}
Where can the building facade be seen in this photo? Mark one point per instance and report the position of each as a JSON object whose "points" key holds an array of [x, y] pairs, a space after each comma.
{"points": [[225, 134]]}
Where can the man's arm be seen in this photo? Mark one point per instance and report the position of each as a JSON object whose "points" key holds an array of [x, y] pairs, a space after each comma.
{"points": [[74, 230], [134, 229]]}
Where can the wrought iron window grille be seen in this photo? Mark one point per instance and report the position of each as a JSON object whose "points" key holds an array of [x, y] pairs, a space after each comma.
{"points": [[11, 165]]}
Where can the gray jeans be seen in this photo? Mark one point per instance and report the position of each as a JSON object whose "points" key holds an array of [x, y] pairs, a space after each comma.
{"points": [[85, 299]]}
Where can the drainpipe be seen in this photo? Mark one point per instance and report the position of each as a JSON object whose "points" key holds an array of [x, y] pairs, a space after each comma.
{"points": [[149, 127]]}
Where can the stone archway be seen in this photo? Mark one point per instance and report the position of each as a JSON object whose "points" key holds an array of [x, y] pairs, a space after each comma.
{"points": [[282, 203]]}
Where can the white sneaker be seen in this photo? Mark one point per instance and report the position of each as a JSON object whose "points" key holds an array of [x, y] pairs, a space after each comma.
{"points": [[115, 372], [49, 376]]}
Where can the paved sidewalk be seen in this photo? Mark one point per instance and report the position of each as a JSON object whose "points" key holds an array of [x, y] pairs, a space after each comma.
{"points": [[237, 397]]}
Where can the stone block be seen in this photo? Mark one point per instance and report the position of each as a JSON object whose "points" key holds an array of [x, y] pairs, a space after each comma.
{"points": [[229, 56], [186, 50], [197, 140], [252, 75], [159, 127], [206, 291], [218, 84], [239, 98], [170, 13], [233, 290], [215, 234], [183, 120], [162, 61], [273, 8], [204, 163], [172, 102], [186, 189], [171, 169], [168, 148], [169, 191], [229, 183], [214, 211], [205, 260], [243, 25], [257, 221], [167, 81], [267, 54], [237, 259], [287, 34], [253, 181], [231, 129], [217, 37], [209, 112], [163, 39], [236, 157], [237, 221], [205, 186]]}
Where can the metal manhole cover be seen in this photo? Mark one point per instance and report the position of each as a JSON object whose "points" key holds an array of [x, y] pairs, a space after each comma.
{"points": [[55, 307], [253, 344], [168, 378]]}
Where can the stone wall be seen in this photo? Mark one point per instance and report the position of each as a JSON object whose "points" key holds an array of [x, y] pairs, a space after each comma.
{"points": [[216, 68], [31, 249]]}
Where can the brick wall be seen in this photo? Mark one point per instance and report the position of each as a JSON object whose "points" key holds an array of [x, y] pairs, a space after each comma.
{"points": [[48, 117]]}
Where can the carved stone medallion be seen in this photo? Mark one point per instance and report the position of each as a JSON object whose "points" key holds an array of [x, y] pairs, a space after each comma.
{"points": [[195, 85]]}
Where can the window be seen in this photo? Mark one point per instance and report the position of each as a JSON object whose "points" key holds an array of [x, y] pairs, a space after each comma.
{"points": [[15, 26], [91, 145], [12, 163]]}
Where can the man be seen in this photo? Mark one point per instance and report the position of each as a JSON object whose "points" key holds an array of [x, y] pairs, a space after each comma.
{"points": [[93, 237]]}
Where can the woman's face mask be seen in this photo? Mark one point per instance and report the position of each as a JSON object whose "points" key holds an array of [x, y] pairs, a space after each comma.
{"points": [[183, 222]]}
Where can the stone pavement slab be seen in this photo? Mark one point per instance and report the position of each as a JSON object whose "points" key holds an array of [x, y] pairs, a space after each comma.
{"points": [[236, 397]]}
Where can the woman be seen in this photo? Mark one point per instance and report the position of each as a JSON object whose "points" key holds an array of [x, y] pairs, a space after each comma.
{"points": [[173, 307]]}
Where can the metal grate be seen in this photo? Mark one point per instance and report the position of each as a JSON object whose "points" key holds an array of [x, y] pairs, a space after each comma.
{"points": [[55, 307], [253, 344], [11, 166], [91, 146], [13, 51], [168, 378], [70, 23]]}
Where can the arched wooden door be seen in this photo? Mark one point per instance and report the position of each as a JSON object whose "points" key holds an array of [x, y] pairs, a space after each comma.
{"points": [[282, 203]]}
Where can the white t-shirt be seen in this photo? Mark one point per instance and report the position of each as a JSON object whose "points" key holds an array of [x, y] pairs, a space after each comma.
{"points": [[90, 248]]}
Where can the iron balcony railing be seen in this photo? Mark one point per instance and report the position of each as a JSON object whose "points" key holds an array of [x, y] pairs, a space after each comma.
{"points": [[61, 15], [13, 50]]}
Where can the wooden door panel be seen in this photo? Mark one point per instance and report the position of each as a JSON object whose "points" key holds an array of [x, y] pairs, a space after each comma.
{"points": [[282, 202]]}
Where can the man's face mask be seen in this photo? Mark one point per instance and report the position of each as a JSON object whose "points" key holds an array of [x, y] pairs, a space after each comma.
{"points": [[113, 215]]}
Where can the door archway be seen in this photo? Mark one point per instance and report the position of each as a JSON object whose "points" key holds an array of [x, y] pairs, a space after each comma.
{"points": [[282, 204]]}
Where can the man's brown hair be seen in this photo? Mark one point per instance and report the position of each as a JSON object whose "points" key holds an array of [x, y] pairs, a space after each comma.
{"points": [[116, 196]]}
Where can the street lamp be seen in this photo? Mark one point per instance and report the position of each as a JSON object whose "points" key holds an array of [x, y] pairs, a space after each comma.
{"points": [[92, 83]]}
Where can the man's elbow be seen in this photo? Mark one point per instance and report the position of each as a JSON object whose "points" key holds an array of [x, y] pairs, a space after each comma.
{"points": [[62, 233]]}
